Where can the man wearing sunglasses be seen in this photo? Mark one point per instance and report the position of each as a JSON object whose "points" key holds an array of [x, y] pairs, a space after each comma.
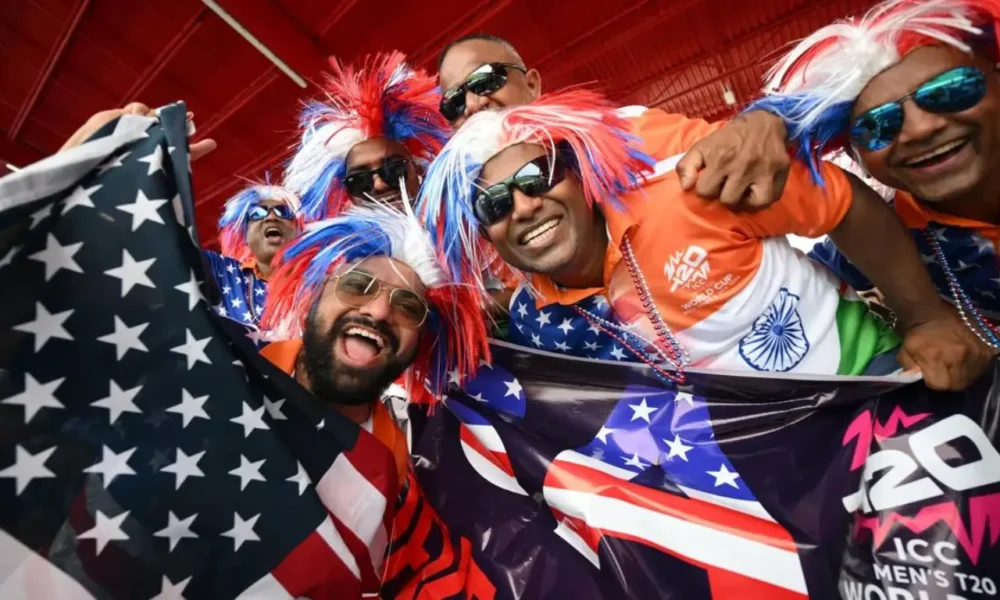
{"points": [[255, 224], [551, 188], [374, 304], [742, 163], [368, 138], [921, 116]]}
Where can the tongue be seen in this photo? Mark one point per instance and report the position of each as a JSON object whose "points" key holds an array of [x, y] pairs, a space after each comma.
{"points": [[359, 350]]}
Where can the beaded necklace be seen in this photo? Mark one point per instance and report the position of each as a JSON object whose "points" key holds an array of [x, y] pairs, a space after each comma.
{"points": [[982, 328], [675, 355]]}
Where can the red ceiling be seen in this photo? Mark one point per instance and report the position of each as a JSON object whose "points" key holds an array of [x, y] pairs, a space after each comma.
{"points": [[63, 60]]}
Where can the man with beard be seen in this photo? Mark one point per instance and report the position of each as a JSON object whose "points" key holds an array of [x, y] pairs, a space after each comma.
{"points": [[374, 304], [912, 93], [255, 224], [369, 138], [561, 192]]}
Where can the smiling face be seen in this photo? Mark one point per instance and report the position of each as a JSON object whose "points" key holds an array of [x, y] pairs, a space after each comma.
{"points": [[938, 157], [351, 354], [371, 154], [464, 58], [554, 234], [267, 236]]}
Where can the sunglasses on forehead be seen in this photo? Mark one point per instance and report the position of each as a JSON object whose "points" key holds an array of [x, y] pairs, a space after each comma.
{"points": [[260, 212], [953, 91], [358, 289], [492, 204], [391, 172], [484, 81]]}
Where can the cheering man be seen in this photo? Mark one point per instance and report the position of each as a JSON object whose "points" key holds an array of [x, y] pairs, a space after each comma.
{"points": [[552, 187], [918, 106], [374, 304], [369, 138], [255, 224]]}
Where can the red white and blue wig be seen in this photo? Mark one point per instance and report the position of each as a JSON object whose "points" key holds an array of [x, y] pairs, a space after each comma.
{"points": [[455, 337], [579, 126], [814, 87], [382, 98], [234, 222]]}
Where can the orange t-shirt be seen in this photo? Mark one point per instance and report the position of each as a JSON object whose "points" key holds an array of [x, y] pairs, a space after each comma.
{"points": [[284, 355]]}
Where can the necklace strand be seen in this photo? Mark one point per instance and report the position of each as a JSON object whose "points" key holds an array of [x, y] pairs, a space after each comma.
{"points": [[669, 349], [982, 329]]}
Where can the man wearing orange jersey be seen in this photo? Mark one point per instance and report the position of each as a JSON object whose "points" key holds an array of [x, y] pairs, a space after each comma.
{"points": [[551, 188]]}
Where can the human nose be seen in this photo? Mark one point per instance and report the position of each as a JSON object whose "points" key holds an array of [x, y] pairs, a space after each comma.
{"points": [[919, 124], [378, 308], [525, 206]]}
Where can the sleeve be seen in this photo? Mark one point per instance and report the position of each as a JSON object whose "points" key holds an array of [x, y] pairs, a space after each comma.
{"points": [[804, 208], [827, 254], [669, 134]]}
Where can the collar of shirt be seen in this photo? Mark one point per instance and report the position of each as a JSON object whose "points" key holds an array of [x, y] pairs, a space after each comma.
{"points": [[918, 215], [250, 264]]}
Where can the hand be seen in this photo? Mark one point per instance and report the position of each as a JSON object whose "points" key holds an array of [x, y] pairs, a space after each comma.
{"points": [[197, 149], [949, 355], [744, 165]]}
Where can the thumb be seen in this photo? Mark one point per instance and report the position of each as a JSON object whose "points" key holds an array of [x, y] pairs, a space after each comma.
{"points": [[688, 167], [201, 148]]}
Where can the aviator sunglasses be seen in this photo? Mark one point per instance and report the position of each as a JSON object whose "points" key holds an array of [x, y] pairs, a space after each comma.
{"points": [[484, 81], [259, 212], [358, 289], [953, 91], [392, 170], [536, 177]]}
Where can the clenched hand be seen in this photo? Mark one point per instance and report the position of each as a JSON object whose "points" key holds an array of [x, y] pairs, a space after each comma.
{"points": [[946, 352], [744, 165]]}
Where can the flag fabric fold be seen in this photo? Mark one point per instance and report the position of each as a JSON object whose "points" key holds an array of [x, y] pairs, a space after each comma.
{"points": [[591, 479], [146, 449]]}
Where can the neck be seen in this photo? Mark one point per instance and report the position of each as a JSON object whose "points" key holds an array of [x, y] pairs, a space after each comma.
{"points": [[359, 413], [264, 267], [588, 272], [982, 203]]}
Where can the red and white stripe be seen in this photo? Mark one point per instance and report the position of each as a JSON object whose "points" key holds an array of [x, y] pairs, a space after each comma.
{"points": [[487, 454], [744, 555]]}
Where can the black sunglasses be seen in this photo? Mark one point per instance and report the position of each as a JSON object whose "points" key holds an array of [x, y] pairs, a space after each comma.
{"points": [[494, 203], [260, 212], [392, 170], [953, 91], [484, 81]]}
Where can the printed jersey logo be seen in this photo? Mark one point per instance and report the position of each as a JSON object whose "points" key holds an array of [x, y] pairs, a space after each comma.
{"points": [[777, 341], [687, 269]]}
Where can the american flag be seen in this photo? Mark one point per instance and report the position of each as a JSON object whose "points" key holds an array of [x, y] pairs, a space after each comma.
{"points": [[638, 465], [560, 329], [146, 450]]}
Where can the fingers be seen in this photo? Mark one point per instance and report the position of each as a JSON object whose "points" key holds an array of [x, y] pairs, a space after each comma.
{"points": [[736, 188], [201, 148], [688, 167], [137, 108]]}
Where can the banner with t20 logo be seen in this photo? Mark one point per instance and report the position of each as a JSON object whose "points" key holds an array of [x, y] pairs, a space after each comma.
{"points": [[591, 479]]}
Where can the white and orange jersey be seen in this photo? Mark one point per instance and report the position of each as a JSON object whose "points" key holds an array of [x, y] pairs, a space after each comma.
{"points": [[729, 286]]}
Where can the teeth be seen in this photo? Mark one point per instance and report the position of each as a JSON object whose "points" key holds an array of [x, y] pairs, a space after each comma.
{"points": [[537, 231], [379, 341], [936, 152]]}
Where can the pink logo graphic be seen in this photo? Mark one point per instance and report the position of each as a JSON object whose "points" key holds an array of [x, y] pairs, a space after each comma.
{"points": [[984, 517], [865, 429]]}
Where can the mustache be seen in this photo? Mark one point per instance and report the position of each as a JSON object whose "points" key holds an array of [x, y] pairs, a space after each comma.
{"points": [[380, 327]]}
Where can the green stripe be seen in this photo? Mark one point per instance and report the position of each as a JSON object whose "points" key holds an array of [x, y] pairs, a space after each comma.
{"points": [[863, 335]]}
